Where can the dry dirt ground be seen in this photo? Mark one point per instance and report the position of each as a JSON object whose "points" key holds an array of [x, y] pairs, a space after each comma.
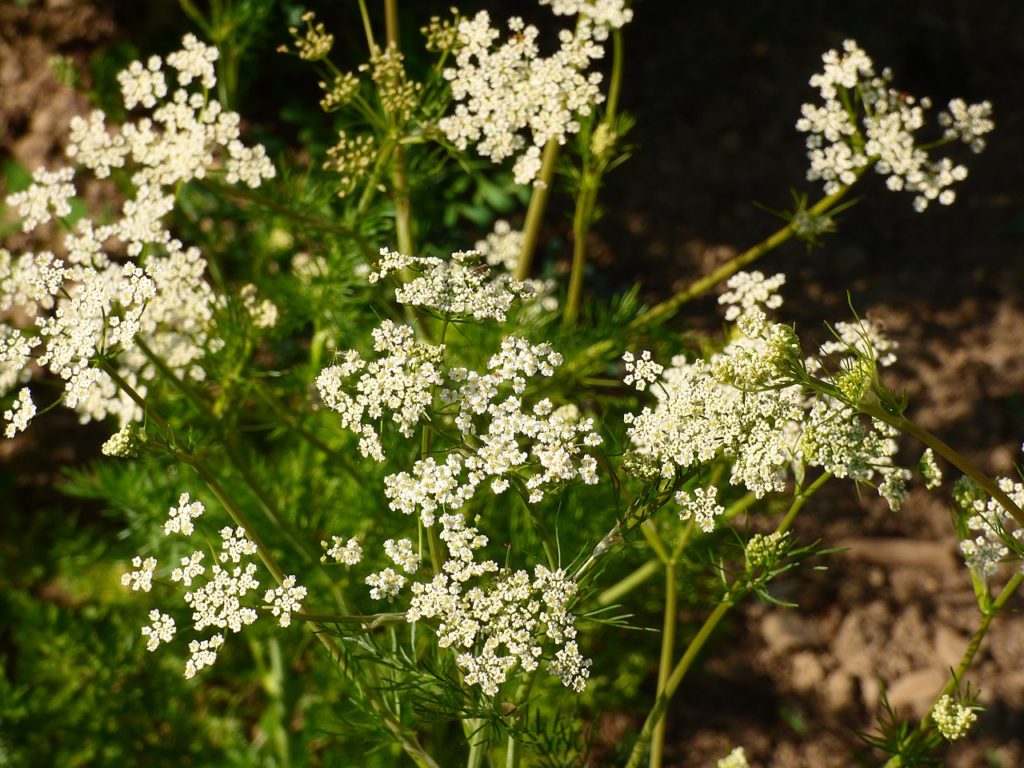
{"points": [[716, 89]]}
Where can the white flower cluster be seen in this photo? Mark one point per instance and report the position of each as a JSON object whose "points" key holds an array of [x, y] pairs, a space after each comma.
{"points": [[122, 444], [386, 584], [931, 473], [863, 338], [85, 304], [604, 14], [48, 196], [161, 630], [400, 383], [220, 600], [203, 653], [953, 720], [701, 506], [862, 121], [502, 246], [141, 579], [348, 553], [749, 291], [539, 446], [990, 523], [285, 600], [19, 414], [262, 312], [641, 371], [181, 516], [459, 288], [505, 90], [496, 618], [741, 405]]}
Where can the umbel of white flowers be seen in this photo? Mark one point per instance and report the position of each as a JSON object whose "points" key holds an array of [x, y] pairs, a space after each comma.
{"points": [[221, 598], [738, 406], [862, 120], [86, 304], [510, 100]]}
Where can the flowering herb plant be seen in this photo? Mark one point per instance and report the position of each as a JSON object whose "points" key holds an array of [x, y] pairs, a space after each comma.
{"points": [[488, 478]]}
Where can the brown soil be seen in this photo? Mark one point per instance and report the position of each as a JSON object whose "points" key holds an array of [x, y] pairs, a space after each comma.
{"points": [[716, 101]]}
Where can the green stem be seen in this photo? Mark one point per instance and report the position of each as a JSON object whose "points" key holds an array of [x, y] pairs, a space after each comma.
{"points": [[590, 184], [615, 86], [391, 22], [953, 456], [367, 27], [399, 177], [513, 752], [801, 499], [514, 749], [623, 587], [663, 311], [403, 207], [672, 682], [264, 500], [580, 228], [535, 211], [367, 623], [184, 387], [129, 390], [668, 638], [650, 532], [968, 657], [478, 743], [410, 744]]}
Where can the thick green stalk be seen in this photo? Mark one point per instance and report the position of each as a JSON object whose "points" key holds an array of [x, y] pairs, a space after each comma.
{"points": [[953, 456], [478, 744], [668, 639], [661, 312], [673, 681], [590, 184], [801, 499], [514, 749], [968, 657], [657, 712], [399, 177], [626, 585], [364, 14], [391, 22], [615, 85], [535, 211], [580, 229]]}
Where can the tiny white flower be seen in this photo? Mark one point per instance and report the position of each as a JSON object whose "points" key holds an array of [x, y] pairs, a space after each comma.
{"points": [[142, 578], [349, 552], [160, 630], [181, 517], [285, 600]]}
